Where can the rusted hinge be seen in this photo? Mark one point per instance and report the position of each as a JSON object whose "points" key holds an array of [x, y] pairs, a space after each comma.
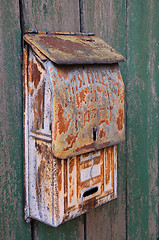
{"points": [[35, 31]]}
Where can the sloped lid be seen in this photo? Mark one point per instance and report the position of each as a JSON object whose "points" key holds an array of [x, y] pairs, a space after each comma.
{"points": [[71, 48]]}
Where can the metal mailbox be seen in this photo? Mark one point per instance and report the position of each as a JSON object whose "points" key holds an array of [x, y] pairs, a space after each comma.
{"points": [[73, 119]]}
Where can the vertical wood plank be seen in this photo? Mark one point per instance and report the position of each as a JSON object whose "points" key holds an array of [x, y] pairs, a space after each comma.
{"points": [[107, 19], [54, 15], [51, 15], [142, 118], [12, 222]]}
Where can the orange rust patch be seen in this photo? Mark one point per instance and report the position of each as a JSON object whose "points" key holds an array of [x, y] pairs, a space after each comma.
{"points": [[104, 121], [102, 133], [112, 168], [70, 179], [71, 195], [119, 75], [85, 147], [96, 76], [92, 76], [63, 123], [44, 174], [122, 96], [87, 72], [31, 91], [62, 73], [108, 167], [81, 97], [81, 79], [120, 119], [66, 46], [99, 89], [71, 164], [35, 74], [71, 140], [73, 79], [38, 110], [59, 174], [86, 117]]}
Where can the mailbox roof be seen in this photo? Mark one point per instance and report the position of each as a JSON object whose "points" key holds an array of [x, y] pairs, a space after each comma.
{"points": [[71, 48]]}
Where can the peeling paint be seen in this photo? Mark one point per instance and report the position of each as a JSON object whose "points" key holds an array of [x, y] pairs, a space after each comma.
{"points": [[74, 116]]}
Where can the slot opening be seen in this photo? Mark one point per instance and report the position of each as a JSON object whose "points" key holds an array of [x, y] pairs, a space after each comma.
{"points": [[94, 134], [90, 192]]}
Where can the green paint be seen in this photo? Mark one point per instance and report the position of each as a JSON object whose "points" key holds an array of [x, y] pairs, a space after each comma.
{"points": [[138, 38], [51, 15], [142, 120], [54, 16], [70, 230], [107, 19], [11, 127]]}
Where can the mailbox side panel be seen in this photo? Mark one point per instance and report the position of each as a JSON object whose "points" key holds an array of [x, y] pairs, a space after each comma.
{"points": [[39, 164]]}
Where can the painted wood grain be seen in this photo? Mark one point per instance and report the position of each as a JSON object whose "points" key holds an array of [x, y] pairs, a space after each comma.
{"points": [[142, 119], [54, 16], [107, 19], [12, 222], [51, 15]]}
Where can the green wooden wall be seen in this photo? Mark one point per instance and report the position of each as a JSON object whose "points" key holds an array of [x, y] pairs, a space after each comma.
{"points": [[131, 27]]}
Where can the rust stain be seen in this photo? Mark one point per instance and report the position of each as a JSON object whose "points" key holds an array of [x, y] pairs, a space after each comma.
{"points": [[71, 49], [81, 79], [89, 204], [122, 97], [86, 117], [120, 119], [85, 147], [99, 89], [66, 46], [108, 165], [62, 123], [31, 91], [38, 107], [112, 168], [71, 164], [71, 195], [44, 174], [35, 74], [59, 174], [63, 73], [96, 76], [119, 75], [71, 140], [81, 97], [102, 133]]}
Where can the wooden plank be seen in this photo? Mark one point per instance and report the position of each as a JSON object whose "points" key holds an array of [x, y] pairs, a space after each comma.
{"points": [[52, 15], [107, 19], [142, 118], [11, 125]]}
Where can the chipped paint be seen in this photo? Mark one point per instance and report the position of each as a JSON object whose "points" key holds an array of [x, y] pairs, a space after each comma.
{"points": [[81, 103], [73, 49], [73, 117]]}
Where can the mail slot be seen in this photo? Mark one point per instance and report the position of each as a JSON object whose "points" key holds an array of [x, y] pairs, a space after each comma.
{"points": [[73, 119]]}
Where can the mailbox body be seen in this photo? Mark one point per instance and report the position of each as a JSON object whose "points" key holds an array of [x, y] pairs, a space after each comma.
{"points": [[73, 119]]}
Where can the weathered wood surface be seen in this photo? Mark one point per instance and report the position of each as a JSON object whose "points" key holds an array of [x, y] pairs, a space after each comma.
{"points": [[51, 15], [142, 119], [54, 16], [12, 223], [131, 27], [107, 19]]}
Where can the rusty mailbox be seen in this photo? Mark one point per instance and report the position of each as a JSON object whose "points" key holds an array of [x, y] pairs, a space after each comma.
{"points": [[73, 119]]}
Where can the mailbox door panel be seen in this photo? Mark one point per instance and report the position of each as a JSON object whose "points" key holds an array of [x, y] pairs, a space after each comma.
{"points": [[88, 108]]}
